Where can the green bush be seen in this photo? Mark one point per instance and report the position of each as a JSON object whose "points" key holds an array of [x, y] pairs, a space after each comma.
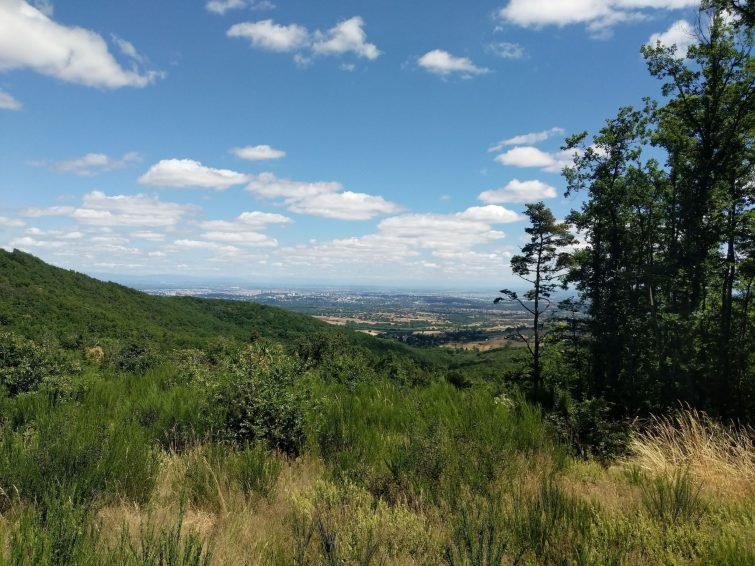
{"points": [[25, 365], [261, 400]]}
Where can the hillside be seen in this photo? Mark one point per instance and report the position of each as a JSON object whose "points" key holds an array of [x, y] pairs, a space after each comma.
{"points": [[38, 300]]}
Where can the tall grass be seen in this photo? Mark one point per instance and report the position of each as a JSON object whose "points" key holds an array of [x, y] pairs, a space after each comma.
{"points": [[720, 456], [674, 499], [424, 444]]}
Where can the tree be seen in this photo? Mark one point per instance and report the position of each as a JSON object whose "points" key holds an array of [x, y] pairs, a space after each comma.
{"points": [[542, 263], [666, 269]]}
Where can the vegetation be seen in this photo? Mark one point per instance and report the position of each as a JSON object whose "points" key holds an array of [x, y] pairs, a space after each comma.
{"points": [[174, 431]]}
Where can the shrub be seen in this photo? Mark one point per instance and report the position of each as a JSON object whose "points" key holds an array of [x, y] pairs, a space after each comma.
{"points": [[261, 400], [25, 365], [134, 357]]}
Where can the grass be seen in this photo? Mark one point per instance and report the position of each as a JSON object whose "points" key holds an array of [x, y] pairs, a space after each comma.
{"points": [[132, 469], [721, 457]]}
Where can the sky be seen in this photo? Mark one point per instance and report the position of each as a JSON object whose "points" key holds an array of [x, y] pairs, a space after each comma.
{"points": [[336, 142]]}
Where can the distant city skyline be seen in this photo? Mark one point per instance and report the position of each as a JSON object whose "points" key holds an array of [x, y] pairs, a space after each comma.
{"points": [[337, 143]]}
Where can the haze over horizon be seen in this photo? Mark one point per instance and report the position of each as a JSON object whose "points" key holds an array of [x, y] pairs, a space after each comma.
{"points": [[346, 143]]}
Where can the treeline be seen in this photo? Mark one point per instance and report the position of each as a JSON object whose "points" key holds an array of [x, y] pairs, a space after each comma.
{"points": [[666, 263]]}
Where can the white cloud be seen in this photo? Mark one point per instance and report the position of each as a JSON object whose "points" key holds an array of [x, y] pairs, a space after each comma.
{"points": [[246, 221], [241, 238], [177, 173], [244, 230], [267, 185], [681, 34], [90, 164], [528, 139], [99, 209], [445, 242], [346, 37], [518, 191], [490, 214], [326, 199], [529, 156], [344, 206], [31, 40], [44, 6], [443, 63], [268, 35], [506, 50], [258, 152], [6, 222], [149, 236], [7, 102], [127, 48], [598, 15], [223, 6], [48, 211]]}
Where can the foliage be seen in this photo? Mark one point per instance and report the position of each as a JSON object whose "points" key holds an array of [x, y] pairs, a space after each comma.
{"points": [[261, 400], [542, 263], [25, 365], [665, 272]]}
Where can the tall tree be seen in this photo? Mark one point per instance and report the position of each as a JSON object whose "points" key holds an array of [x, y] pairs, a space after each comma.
{"points": [[708, 130], [542, 264]]}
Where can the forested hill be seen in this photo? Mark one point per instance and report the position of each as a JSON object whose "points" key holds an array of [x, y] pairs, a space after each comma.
{"points": [[40, 301]]}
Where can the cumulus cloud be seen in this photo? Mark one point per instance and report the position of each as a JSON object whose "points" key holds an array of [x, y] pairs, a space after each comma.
{"points": [[597, 15], [518, 191], [90, 164], [178, 173], [223, 6], [346, 37], [246, 221], [680, 33], [268, 35], [99, 209], [7, 102], [47, 211], [29, 39], [528, 139], [6, 222], [506, 50], [258, 152], [443, 63], [344, 206], [417, 241], [148, 235], [126, 48], [245, 229], [267, 185], [326, 199], [529, 156]]}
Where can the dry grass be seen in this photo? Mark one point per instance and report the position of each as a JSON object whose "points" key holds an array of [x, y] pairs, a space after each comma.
{"points": [[721, 457], [242, 530]]}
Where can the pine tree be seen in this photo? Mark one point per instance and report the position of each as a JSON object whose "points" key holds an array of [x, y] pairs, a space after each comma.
{"points": [[542, 263]]}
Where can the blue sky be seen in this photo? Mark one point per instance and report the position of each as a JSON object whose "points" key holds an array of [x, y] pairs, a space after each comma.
{"points": [[336, 142]]}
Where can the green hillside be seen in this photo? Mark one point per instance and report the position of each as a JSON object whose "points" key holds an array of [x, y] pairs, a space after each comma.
{"points": [[37, 299]]}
